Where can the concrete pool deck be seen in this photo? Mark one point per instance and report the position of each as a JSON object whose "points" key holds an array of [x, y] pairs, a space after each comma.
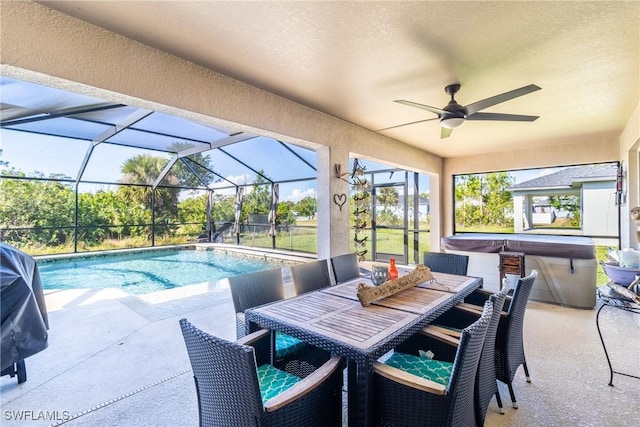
{"points": [[119, 360]]}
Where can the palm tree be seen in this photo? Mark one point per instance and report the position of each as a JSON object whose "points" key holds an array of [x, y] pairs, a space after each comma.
{"points": [[199, 162], [388, 196], [142, 170]]}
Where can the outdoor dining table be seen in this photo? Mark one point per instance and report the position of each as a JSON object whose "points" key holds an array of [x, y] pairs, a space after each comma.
{"points": [[333, 319]]}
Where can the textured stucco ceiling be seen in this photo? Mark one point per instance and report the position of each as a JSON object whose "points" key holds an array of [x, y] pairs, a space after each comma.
{"points": [[351, 59]]}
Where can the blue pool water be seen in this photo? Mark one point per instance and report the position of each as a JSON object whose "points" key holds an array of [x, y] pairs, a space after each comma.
{"points": [[146, 272]]}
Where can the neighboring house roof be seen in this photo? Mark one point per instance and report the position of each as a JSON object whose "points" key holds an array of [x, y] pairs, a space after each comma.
{"points": [[569, 178]]}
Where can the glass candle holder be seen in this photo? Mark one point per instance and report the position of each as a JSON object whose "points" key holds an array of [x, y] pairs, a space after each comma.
{"points": [[379, 274]]}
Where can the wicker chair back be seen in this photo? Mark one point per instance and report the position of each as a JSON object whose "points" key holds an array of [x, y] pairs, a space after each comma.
{"points": [[400, 404], [446, 263], [345, 267], [310, 276], [509, 339], [228, 388], [254, 289], [486, 385], [226, 379]]}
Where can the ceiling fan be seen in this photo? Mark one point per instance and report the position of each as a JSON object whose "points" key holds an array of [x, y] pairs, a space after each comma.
{"points": [[453, 114]]}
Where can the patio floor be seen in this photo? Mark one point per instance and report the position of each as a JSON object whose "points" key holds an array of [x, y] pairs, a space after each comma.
{"points": [[119, 360]]}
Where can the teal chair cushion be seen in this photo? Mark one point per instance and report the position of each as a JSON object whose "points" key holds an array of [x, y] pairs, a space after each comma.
{"points": [[287, 345], [424, 367], [273, 381]]}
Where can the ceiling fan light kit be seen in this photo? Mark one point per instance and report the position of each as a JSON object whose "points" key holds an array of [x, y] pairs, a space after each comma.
{"points": [[454, 114], [451, 122]]}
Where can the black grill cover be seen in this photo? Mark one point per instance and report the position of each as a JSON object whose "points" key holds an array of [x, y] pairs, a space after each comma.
{"points": [[24, 315]]}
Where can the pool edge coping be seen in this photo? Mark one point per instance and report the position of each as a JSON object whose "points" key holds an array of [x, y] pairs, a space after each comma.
{"points": [[260, 253]]}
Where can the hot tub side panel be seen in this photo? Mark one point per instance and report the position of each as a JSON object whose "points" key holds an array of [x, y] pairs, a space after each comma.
{"points": [[564, 281], [567, 266]]}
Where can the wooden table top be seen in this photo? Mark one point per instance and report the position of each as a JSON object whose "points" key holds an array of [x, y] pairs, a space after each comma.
{"points": [[336, 313], [419, 299], [341, 319]]}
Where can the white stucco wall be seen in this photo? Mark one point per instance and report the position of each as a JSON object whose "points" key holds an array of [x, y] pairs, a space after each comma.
{"points": [[599, 210], [520, 221], [630, 157]]}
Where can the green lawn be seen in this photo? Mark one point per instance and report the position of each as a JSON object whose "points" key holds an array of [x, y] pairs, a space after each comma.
{"points": [[601, 255], [389, 241], [484, 229], [302, 238]]}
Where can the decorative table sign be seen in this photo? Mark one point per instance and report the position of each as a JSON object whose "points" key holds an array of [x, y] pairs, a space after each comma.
{"points": [[368, 294]]}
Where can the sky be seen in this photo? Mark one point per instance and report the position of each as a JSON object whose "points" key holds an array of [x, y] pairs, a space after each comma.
{"points": [[53, 155]]}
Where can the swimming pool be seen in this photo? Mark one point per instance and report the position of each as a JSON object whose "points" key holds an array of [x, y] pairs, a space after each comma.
{"points": [[146, 272]]}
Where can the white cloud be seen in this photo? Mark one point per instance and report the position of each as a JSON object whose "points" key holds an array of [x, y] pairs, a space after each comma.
{"points": [[239, 179], [297, 194]]}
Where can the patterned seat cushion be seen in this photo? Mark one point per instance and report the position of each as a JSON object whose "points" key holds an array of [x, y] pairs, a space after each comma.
{"points": [[424, 367], [287, 345], [273, 381]]}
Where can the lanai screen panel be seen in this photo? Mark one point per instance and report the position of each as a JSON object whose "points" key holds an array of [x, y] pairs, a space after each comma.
{"points": [[270, 156], [37, 155], [22, 99], [189, 174], [63, 127], [109, 162], [181, 128], [307, 155], [135, 138], [229, 168], [115, 131], [115, 114]]}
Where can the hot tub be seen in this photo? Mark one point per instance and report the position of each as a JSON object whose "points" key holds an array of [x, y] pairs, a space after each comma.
{"points": [[566, 265]]}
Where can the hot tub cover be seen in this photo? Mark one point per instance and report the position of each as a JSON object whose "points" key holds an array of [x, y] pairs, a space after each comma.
{"points": [[24, 321], [576, 247]]}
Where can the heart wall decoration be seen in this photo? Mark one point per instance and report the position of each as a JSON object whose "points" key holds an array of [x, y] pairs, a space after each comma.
{"points": [[340, 200]]}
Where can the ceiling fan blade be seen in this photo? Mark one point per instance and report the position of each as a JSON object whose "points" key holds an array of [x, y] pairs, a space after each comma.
{"points": [[502, 117], [407, 124], [445, 132], [421, 106], [489, 102]]}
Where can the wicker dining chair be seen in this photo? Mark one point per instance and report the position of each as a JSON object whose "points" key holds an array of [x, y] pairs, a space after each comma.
{"points": [[441, 262], [345, 267], [236, 385], [510, 336], [310, 276], [262, 287], [417, 390], [254, 289], [456, 319]]}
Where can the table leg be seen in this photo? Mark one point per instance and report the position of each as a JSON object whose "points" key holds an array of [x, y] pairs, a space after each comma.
{"points": [[360, 393], [352, 395]]}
